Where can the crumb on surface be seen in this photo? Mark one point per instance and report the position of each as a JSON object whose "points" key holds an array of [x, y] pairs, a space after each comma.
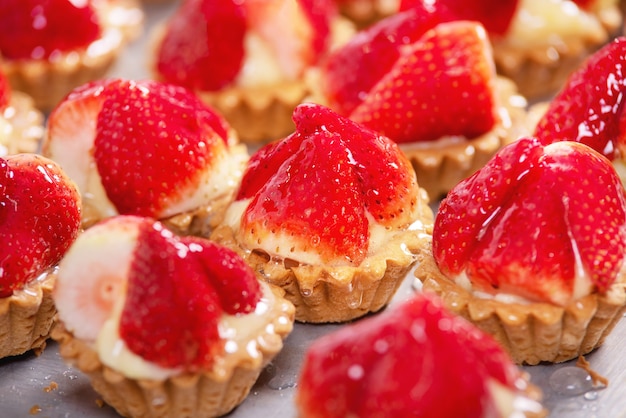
{"points": [[597, 379], [51, 387], [100, 403], [34, 410]]}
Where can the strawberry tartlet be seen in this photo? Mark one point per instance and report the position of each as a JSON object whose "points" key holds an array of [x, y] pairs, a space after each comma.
{"points": [[39, 220], [21, 123], [146, 148], [165, 325], [248, 58], [332, 213], [431, 87], [49, 47], [414, 360], [537, 43], [532, 250]]}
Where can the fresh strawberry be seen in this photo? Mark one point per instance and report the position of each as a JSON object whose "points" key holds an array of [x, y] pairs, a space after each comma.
{"points": [[203, 47], [39, 29], [5, 91], [590, 107], [152, 162], [494, 15], [443, 84], [533, 220], [174, 290], [351, 71], [404, 362], [39, 218], [356, 171]]}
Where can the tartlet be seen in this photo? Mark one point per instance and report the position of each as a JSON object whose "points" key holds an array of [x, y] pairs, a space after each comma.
{"points": [[415, 359], [531, 249], [250, 58], [177, 160], [332, 214], [176, 326], [431, 87], [34, 240], [47, 62], [21, 123]]}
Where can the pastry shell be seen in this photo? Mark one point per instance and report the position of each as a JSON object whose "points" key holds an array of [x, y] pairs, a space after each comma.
{"points": [[327, 294], [21, 125], [531, 332], [26, 317], [207, 394]]}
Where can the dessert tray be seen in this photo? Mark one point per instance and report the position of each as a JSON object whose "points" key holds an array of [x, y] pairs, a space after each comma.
{"points": [[45, 386]]}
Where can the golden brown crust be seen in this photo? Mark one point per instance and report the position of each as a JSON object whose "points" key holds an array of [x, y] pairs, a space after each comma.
{"points": [[47, 82], [532, 332], [209, 394], [325, 294], [21, 125], [26, 318]]}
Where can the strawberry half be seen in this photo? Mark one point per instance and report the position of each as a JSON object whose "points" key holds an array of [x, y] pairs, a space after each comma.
{"points": [[403, 362], [442, 84], [533, 220], [39, 218], [39, 29], [590, 107], [175, 290], [140, 147]]}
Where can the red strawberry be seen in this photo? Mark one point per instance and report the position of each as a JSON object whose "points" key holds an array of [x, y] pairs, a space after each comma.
{"points": [[39, 218], [203, 47], [494, 15], [176, 290], [5, 91], [590, 108], [532, 220], [39, 29], [404, 362], [324, 210], [351, 71], [151, 162], [442, 84]]}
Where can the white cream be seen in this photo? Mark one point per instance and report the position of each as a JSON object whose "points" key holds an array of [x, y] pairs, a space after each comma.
{"points": [[238, 331], [547, 22], [510, 403]]}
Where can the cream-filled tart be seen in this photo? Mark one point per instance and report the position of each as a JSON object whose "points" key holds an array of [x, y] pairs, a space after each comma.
{"points": [[332, 214], [176, 159], [431, 87], [175, 326], [248, 58], [49, 48], [40, 220], [414, 359], [532, 250]]}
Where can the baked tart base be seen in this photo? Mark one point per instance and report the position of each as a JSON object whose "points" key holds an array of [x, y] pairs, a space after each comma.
{"points": [[27, 317], [532, 332], [326, 294], [204, 394]]}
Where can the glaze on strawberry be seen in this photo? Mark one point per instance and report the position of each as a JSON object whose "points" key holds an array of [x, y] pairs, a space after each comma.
{"points": [[416, 359], [320, 193], [144, 148], [135, 275], [39, 218], [209, 44], [36, 29], [545, 223], [590, 108], [414, 80]]}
